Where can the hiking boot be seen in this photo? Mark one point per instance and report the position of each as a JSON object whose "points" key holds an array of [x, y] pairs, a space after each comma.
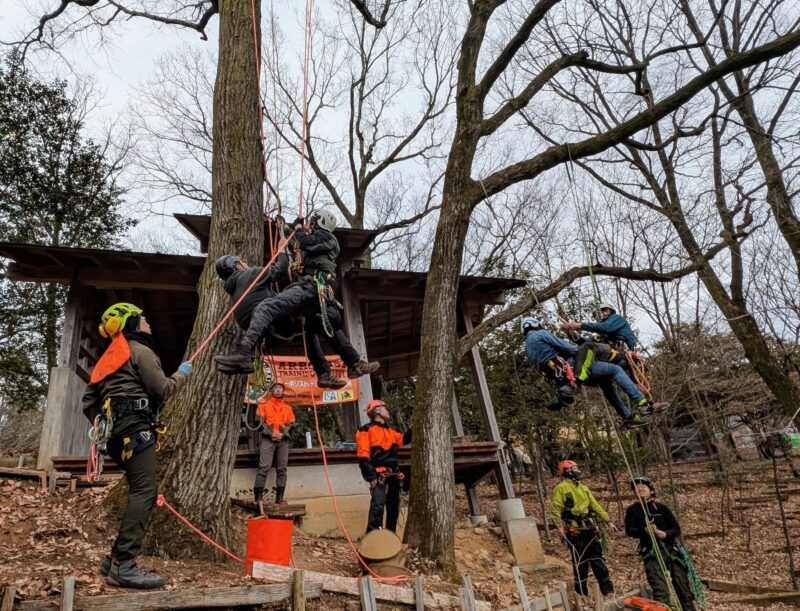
{"points": [[105, 564], [634, 421], [234, 364], [362, 368], [326, 380], [653, 408], [128, 575]]}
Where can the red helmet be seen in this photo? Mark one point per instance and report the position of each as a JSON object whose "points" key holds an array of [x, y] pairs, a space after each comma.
{"points": [[566, 464], [373, 405]]}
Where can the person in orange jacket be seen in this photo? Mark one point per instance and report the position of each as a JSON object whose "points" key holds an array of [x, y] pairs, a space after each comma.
{"points": [[278, 418], [376, 448]]}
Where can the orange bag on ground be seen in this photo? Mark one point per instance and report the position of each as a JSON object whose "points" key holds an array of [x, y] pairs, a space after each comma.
{"points": [[268, 540]]}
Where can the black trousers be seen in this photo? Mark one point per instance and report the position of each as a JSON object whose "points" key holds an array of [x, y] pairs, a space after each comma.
{"points": [[680, 580], [339, 343], [136, 456], [386, 496], [586, 552]]}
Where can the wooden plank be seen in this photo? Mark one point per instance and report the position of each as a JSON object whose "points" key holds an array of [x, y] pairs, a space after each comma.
{"points": [[17, 473], [523, 594], [349, 585], [419, 595], [562, 590], [718, 585], [763, 600], [201, 598], [366, 594], [67, 593], [298, 591], [7, 594]]}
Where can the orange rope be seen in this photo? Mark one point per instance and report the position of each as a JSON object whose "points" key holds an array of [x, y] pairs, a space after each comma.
{"points": [[162, 502], [321, 442], [303, 130], [263, 271]]}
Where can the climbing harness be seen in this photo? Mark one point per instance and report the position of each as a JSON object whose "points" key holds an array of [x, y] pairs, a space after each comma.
{"points": [[326, 295]]}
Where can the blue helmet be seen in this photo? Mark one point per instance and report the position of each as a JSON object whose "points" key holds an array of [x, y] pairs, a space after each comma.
{"points": [[528, 324]]}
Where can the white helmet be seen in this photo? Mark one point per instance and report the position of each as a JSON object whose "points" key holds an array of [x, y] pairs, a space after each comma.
{"points": [[607, 306], [529, 324], [325, 219]]}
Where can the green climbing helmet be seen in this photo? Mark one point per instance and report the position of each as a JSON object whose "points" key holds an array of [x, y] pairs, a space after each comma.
{"points": [[114, 318]]}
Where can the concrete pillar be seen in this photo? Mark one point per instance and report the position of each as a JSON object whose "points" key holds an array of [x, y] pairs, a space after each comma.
{"points": [[65, 428]]}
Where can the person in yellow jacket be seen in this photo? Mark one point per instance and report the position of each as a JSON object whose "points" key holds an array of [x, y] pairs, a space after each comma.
{"points": [[579, 516]]}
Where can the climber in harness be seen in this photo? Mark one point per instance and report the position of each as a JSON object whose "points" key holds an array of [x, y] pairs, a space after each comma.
{"points": [[554, 358], [125, 394], [376, 449], [264, 308], [653, 523], [580, 518], [613, 328]]}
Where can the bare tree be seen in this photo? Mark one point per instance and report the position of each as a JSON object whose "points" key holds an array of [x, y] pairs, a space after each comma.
{"points": [[431, 513]]}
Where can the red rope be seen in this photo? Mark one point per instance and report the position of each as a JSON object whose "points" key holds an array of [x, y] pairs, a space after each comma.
{"points": [[263, 271], [162, 502], [321, 442]]}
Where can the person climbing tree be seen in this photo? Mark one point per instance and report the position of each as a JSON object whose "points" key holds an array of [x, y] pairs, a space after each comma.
{"points": [[124, 397], [263, 307], [376, 449], [554, 358], [579, 518], [653, 523], [613, 328], [273, 448]]}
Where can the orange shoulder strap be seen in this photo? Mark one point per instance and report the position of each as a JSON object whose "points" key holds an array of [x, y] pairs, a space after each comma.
{"points": [[115, 356]]}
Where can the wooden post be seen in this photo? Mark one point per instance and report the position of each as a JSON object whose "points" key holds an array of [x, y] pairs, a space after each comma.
{"points": [[67, 593], [7, 594], [71, 330], [562, 587], [467, 595], [458, 425], [523, 594], [547, 602], [594, 588], [487, 412], [419, 595], [298, 591], [355, 331], [366, 592]]}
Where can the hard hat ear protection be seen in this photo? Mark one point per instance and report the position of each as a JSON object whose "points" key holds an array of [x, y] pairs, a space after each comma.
{"points": [[114, 318]]}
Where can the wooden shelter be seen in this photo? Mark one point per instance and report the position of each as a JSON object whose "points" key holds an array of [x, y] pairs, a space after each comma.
{"points": [[383, 312]]}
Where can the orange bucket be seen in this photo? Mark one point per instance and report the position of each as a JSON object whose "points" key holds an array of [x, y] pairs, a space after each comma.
{"points": [[268, 540]]}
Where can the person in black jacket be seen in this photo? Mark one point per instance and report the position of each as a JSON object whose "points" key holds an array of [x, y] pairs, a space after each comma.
{"points": [[653, 523], [263, 307]]}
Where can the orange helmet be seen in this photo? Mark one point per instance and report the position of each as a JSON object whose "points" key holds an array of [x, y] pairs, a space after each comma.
{"points": [[373, 405], [566, 464]]}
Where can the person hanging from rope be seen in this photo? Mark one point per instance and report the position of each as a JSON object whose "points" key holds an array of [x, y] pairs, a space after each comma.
{"points": [[653, 523], [126, 392], [263, 307], [376, 449], [273, 448], [579, 518], [554, 358]]}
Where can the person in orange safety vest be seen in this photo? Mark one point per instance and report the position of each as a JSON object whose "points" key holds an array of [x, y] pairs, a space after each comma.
{"points": [[376, 448], [278, 418]]}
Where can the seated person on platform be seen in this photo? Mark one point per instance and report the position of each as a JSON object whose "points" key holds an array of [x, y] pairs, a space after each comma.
{"points": [[273, 447], [263, 306], [376, 448]]}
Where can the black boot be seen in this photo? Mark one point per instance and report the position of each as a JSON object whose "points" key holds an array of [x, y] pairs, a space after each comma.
{"points": [[128, 575], [234, 364], [279, 495], [258, 496]]}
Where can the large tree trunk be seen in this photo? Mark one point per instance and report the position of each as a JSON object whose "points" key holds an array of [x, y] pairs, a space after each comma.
{"points": [[204, 418]]}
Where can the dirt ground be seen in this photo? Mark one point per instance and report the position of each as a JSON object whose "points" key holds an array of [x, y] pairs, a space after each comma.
{"points": [[45, 535]]}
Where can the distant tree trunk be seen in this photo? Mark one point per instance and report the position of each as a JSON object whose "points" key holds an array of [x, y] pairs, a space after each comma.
{"points": [[205, 417]]}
